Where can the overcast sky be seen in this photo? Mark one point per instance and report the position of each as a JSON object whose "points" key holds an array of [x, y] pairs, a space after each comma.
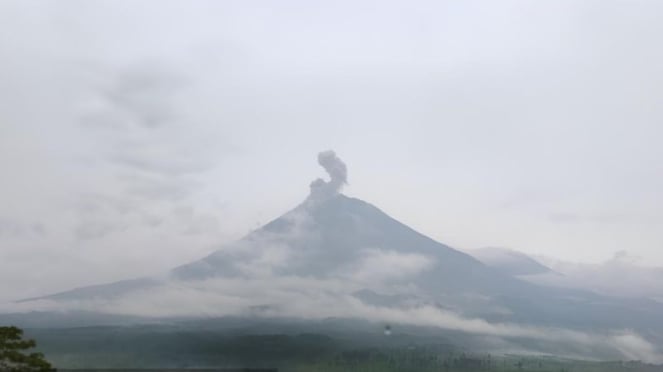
{"points": [[139, 135]]}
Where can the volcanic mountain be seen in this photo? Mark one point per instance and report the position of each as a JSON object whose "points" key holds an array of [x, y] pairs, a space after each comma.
{"points": [[330, 235], [334, 256], [328, 238]]}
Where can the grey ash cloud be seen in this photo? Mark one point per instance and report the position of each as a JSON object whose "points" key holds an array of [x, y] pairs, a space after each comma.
{"points": [[338, 175]]}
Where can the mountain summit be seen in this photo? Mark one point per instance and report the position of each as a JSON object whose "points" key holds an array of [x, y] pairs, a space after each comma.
{"points": [[334, 256], [331, 236], [334, 236]]}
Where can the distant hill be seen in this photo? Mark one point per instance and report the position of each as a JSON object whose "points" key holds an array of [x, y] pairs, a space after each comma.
{"points": [[508, 261]]}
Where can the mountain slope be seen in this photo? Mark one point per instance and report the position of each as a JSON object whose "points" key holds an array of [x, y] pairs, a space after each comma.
{"points": [[508, 261], [322, 237]]}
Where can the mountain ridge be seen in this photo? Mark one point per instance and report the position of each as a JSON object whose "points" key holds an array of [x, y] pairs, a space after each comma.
{"points": [[334, 256]]}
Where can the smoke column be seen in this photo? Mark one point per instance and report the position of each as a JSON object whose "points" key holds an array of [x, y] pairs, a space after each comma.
{"points": [[338, 175]]}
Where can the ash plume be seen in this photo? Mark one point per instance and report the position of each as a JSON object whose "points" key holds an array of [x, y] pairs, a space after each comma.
{"points": [[338, 175]]}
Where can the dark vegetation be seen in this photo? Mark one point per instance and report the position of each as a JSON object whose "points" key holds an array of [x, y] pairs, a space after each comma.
{"points": [[15, 352], [162, 346]]}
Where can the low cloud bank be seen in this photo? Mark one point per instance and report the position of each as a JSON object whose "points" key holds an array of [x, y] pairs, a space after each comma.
{"points": [[316, 299], [623, 275]]}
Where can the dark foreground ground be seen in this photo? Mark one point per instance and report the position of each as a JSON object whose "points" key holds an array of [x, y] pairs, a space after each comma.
{"points": [[333, 346]]}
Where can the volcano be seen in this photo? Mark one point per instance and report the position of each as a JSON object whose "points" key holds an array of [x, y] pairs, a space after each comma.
{"points": [[335, 256]]}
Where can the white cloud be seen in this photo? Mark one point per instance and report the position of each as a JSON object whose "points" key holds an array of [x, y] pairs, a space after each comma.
{"points": [[623, 275], [377, 265], [310, 298]]}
